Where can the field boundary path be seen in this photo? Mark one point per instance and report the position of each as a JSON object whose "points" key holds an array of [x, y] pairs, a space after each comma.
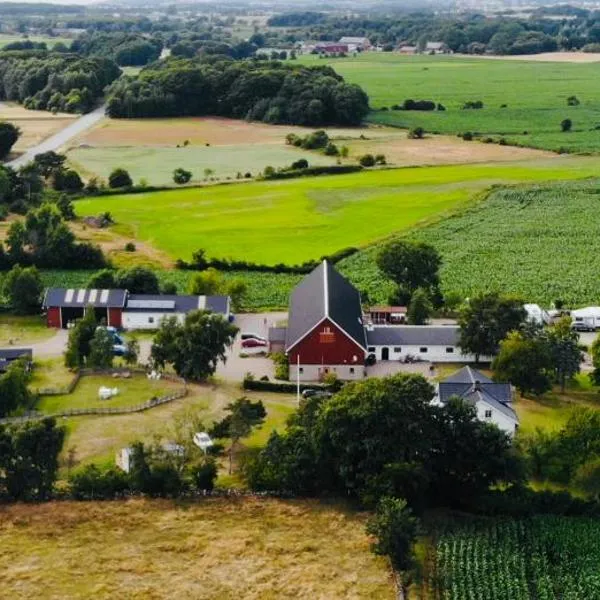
{"points": [[61, 138]]}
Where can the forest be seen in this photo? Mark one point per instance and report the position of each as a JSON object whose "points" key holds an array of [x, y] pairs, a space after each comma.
{"points": [[256, 90]]}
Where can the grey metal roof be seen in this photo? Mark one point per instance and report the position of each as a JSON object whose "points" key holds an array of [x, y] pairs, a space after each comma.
{"points": [[277, 334], [8, 355], [412, 335], [473, 386], [468, 375], [70, 297], [173, 303], [324, 293]]}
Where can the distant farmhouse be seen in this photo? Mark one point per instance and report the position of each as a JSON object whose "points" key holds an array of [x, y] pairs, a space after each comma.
{"points": [[327, 332], [436, 48], [356, 44], [493, 401], [331, 48], [120, 309]]}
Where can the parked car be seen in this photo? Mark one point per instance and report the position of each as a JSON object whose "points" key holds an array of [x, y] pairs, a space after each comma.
{"points": [[252, 336], [309, 393], [253, 343], [119, 347]]}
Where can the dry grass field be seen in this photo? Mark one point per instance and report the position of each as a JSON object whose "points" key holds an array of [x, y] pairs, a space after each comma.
{"points": [[35, 125], [560, 57], [153, 148], [216, 549]]}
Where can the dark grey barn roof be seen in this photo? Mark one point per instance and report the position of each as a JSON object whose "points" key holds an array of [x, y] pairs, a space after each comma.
{"points": [[173, 303], [324, 293], [63, 297], [473, 386], [277, 334], [412, 335]]}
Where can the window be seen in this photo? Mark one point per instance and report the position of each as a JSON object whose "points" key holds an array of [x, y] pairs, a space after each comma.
{"points": [[351, 370], [301, 370], [398, 350], [423, 350], [449, 350], [327, 336], [150, 319], [371, 349], [488, 414]]}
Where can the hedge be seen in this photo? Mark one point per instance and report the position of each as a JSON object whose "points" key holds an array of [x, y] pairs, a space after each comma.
{"points": [[312, 171]]}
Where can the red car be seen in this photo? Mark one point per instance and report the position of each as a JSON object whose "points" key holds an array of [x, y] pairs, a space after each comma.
{"points": [[253, 343]]}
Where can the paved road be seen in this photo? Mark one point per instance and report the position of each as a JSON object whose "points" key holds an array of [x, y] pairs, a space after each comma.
{"points": [[61, 138]]}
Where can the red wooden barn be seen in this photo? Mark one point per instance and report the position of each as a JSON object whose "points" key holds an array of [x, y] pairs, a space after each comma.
{"points": [[63, 306], [325, 331]]}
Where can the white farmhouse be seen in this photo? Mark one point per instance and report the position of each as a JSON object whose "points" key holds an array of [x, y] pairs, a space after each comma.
{"points": [[493, 401]]}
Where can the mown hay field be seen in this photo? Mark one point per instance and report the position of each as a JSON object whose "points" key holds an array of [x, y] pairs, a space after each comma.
{"points": [[152, 549], [293, 221], [534, 94]]}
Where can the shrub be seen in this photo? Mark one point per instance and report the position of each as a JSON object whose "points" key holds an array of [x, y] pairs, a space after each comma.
{"points": [[473, 104], [566, 125], [573, 101], [418, 105], [467, 136], [380, 159], [441, 107], [367, 160], [130, 247], [331, 150], [119, 178], [416, 133], [301, 163], [181, 176], [282, 366]]}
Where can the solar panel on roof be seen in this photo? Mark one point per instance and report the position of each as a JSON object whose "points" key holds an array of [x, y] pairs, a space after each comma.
{"points": [[104, 296], [80, 296], [93, 295], [69, 296], [157, 304]]}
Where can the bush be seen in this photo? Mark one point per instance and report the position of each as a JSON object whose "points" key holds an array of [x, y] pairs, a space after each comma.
{"points": [[313, 171], [91, 483], [566, 125], [380, 159], [204, 475], [331, 150], [119, 178], [282, 366], [467, 136], [181, 176], [418, 105], [416, 133], [367, 160], [277, 386], [130, 247], [573, 101], [473, 104], [441, 107], [301, 163]]}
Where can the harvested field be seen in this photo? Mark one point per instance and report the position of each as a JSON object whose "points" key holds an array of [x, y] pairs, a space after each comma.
{"points": [[35, 125], [154, 549], [560, 57]]}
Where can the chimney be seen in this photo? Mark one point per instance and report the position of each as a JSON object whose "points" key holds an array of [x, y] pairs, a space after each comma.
{"points": [[477, 386]]}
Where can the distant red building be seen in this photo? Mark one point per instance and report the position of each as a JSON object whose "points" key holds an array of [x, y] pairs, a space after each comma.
{"points": [[325, 331]]}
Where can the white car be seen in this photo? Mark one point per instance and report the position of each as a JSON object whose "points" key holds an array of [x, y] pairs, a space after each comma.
{"points": [[202, 440]]}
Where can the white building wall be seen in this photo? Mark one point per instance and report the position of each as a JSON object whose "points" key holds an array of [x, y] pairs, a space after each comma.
{"points": [[147, 320], [436, 354], [316, 372], [489, 414]]}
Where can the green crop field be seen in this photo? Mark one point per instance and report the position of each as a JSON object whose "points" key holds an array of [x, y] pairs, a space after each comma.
{"points": [[50, 41], [156, 164], [542, 557], [535, 95], [296, 220], [540, 242]]}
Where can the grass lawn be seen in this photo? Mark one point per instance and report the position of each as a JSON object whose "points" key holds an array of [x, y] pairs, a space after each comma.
{"points": [[228, 549], [97, 438], [6, 38], [134, 391], [50, 373], [20, 331], [296, 220], [535, 95]]}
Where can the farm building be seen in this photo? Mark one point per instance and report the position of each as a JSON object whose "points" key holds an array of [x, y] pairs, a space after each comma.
{"points": [[386, 315], [493, 401], [331, 49], [356, 43], [407, 49], [9, 355], [436, 48], [276, 339], [421, 342], [325, 332], [590, 316], [64, 306], [145, 311], [122, 310]]}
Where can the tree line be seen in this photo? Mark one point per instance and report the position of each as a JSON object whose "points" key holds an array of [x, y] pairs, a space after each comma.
{"points": [[470, 33], [126, 49], [56, 82], [256, 90]]}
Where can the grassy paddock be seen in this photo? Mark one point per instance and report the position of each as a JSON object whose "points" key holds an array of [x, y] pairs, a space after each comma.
{"points": [[228, 549], [296, 220], [535, 94], [20, 331]]}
